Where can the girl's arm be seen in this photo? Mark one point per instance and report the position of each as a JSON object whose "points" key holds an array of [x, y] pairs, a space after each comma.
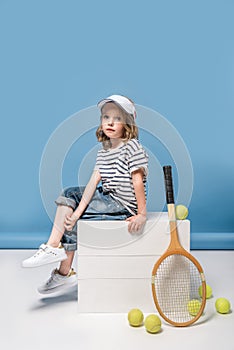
{"points": [[70, 221], [136, 222]]}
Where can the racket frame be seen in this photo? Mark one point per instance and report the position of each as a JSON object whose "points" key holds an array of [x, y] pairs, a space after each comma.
{"points": [[175, 248]]}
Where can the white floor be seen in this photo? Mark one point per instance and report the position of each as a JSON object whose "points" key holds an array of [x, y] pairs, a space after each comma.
{"points": [[31, 321]]}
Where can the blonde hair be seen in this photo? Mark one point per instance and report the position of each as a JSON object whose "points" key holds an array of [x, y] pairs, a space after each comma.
{"points": [[130, 129]]}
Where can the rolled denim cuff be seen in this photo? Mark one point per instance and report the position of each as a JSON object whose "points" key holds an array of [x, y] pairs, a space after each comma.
{"points": [[70, 247], [69, 240], [61, 200]]}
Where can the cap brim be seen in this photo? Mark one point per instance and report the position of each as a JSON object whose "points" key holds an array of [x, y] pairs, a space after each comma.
{"points": [[105, 100], [102, 102]]}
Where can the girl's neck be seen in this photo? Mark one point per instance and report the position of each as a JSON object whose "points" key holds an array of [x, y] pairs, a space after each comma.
{"points": [[116, 143]]}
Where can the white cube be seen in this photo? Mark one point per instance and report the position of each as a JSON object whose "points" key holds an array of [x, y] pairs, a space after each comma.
{"points": [[113, 238], [115, 267]]}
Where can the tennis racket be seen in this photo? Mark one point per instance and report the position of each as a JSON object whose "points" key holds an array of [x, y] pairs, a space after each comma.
{"points": [[177, 275]]}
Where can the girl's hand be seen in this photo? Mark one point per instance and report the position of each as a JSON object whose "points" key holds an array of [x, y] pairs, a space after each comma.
{"points": [[70, 222], [136, 222]]}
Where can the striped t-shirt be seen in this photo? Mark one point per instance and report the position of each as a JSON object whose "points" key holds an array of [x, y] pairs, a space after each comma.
{"points": [[115, 167]]}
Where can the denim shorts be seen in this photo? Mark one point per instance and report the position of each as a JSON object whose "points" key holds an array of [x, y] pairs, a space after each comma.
{"points": [[101, 207]]}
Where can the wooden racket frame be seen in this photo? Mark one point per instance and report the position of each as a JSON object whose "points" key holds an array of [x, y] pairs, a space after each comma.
{"points": [[176, 248]]}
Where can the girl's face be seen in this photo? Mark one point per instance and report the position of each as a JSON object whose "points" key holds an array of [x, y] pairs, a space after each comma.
{"points": [[112, 121]]}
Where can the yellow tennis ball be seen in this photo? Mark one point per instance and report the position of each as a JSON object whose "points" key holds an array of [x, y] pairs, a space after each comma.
{"points": [[193, 307], [152, 324], [222, 305], [181, 212], [208, 291], [135, 317]]}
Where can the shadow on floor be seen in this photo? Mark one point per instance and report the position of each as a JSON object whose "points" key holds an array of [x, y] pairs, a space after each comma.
{"points": [[52, 300]]}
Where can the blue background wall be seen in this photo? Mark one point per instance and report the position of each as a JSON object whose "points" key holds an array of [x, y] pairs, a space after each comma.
{"points": [[58, 57]]}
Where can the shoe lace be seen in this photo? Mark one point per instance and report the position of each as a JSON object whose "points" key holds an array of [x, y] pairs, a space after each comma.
{"points": [[40, 251], [51, 277], [49, 280]]}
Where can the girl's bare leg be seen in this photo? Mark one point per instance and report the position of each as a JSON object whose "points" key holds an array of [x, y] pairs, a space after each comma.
{"points": [[56, 235], [58, 227], [65, 265]]}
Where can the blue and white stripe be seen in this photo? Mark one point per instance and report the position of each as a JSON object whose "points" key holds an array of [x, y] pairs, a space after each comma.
{"points": [[116, 166]]}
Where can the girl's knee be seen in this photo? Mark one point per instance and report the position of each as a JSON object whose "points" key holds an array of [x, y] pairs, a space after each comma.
{"points": [[64, 201]]}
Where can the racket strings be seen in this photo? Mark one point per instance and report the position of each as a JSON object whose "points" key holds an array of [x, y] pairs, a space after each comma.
{"points": [[177, 281]]}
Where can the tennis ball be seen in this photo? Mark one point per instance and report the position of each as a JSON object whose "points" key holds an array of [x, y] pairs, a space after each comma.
{"points": [[222, 305], [208, 291], [193, 307], [152, 324], [181, 212], [135, 317]]}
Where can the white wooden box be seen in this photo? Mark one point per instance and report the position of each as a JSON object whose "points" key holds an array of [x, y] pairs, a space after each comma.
{"points": [[114, 266], [113, 238], [103, 266]]}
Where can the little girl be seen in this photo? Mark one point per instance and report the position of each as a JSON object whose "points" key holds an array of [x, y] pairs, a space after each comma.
{"points": [[121, 167]]}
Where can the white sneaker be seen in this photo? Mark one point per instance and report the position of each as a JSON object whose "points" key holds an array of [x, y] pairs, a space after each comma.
{"points": [[57, 282], [45, 255]]}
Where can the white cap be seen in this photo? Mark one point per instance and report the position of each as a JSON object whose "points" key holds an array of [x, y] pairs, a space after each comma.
{"points": [[120, 100]]}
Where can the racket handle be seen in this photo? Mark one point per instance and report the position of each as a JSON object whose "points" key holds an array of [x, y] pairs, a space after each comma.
{"points": [[168, 184]]}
